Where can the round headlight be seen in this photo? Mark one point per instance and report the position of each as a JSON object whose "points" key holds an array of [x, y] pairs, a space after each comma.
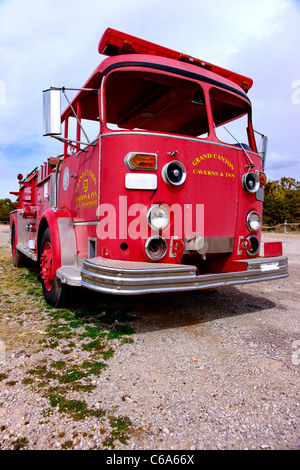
{"points": [[174, 173], [253, 221], [158, 217], [250, 182], [156, 248]]}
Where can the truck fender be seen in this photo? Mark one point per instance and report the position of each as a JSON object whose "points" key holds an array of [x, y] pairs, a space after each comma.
{"points": [[62, 236]]}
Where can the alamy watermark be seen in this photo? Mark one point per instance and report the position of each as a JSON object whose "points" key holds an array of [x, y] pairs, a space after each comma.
{"points": [[296, 93], [134, 222], [2, 92]]}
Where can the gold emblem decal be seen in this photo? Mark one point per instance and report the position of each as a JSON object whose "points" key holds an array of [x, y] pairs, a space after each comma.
{"points": [[210, 157], [86, 190]]}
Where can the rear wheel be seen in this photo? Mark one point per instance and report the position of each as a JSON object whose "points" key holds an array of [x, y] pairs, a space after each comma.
{"points": [[17, 257], [56, 293]]}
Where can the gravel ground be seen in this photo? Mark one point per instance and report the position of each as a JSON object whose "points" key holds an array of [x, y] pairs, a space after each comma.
{"points": [[206, 370]]}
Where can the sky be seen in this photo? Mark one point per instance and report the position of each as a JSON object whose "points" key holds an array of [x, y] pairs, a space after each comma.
{"points": [[55, 43]]}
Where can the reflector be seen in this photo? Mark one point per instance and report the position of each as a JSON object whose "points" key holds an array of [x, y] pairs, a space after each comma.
{"points": [[272, 249]]}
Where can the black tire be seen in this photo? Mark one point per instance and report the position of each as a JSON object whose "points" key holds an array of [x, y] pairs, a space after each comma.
{"points": [[17, 257], [55, 293]]}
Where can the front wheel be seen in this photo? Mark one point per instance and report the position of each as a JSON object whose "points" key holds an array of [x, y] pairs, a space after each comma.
{"points": [[56, 293]]}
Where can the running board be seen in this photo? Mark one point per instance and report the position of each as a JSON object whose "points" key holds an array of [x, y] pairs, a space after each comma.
{"points": [[27, 252]]}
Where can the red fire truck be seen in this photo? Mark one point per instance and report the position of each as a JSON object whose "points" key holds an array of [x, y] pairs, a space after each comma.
{"points": [[159, 186]]}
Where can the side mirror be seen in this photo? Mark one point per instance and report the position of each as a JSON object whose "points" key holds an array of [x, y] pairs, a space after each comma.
{"points": [[264, 150], [52, 112]]}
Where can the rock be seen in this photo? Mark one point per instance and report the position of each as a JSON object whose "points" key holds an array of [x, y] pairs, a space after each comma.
{"points": [[128, 400]]}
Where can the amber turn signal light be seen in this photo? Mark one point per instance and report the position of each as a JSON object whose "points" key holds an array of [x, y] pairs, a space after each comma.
{"points": [[262, 178], [141, 161]]}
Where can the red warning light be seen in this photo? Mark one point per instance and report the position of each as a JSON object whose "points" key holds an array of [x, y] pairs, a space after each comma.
{"points": [[115, 42]]}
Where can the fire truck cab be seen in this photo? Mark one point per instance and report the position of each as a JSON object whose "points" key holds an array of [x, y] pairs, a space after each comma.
{"points": [[159, 185]]}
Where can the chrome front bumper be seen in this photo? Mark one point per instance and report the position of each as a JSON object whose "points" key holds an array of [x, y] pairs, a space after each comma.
{"points": [[131, 278]]}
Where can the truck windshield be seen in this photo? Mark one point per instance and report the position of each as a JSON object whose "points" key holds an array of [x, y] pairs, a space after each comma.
{"points": [[231, 116], [155, 102]]}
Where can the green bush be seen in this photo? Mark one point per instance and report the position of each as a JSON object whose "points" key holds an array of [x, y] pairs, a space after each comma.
{"points": [[282, 202], [6, 206]]}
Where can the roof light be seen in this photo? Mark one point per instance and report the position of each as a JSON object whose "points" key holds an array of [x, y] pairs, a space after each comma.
{"points": [[141, 161], [115, 42]]}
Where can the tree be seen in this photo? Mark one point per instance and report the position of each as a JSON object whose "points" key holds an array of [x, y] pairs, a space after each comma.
{"points": [[282, 201], [6, 206]]}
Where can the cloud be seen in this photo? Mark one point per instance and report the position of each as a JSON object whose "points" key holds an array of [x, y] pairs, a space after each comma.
{"points": [[275, 162]]}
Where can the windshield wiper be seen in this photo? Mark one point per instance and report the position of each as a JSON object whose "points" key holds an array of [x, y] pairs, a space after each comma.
{"points": [[246, 153]]}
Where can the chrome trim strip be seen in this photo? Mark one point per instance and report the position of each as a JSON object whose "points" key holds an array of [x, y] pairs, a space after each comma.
{"points": [[92, 222], [178, 137]]}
